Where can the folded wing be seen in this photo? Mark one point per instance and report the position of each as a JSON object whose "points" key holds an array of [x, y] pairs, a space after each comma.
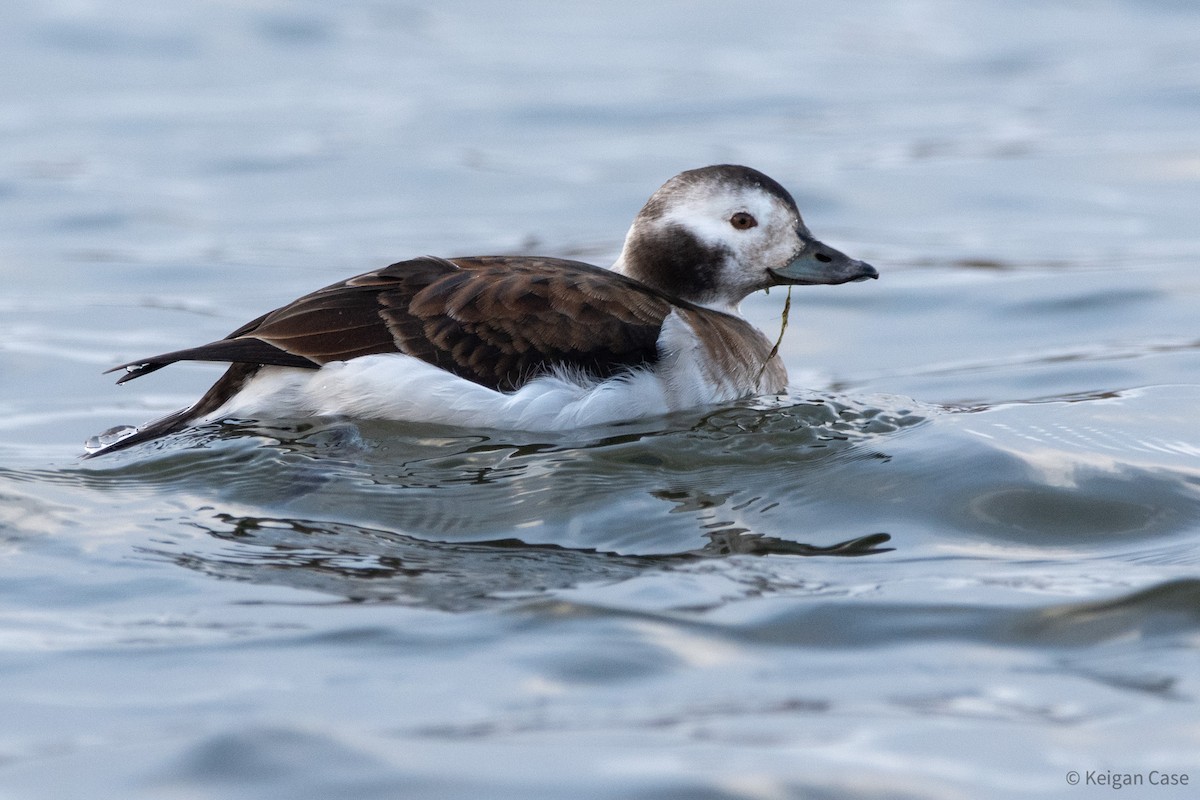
{"points": [[498, 321]]}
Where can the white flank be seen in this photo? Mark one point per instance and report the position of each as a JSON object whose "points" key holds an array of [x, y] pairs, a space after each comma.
{"points": [[400, 387]]}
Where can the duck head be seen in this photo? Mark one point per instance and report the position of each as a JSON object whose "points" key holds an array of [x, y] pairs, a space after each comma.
{"points": [[716, 234]]}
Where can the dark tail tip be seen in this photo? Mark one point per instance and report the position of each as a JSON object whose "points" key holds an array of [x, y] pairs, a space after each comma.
{"points": [[136, 369]]}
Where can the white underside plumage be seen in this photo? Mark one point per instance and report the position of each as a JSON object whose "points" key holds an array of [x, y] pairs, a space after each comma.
{"points": [[400, 387]]}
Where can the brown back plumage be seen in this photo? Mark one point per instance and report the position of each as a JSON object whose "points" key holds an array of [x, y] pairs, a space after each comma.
{"points": [[496, 320]]}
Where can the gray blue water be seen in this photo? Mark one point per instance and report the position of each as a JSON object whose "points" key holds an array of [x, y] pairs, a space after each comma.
{"points": [[960, 559]]}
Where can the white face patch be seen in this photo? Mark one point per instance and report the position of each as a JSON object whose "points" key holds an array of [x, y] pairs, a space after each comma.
{"points": [[772, 243], [704, 210]]}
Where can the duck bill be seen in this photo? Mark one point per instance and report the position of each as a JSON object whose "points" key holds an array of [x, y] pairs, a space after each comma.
{"points": [[818, 263]]}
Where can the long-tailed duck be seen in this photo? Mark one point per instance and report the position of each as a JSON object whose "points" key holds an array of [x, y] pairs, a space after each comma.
{"points": [[531, 343]]}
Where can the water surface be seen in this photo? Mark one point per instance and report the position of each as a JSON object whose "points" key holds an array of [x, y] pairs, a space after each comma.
{"points": [[959, 558]]}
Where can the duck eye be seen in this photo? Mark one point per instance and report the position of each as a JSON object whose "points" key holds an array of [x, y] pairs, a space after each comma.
{"points": [[742, 221]]}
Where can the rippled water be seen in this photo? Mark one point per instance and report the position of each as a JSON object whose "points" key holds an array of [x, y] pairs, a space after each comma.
{"points": [[961, 558]]}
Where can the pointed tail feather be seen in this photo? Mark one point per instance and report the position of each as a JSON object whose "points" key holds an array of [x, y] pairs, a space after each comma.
{"points": [[241, 350]]}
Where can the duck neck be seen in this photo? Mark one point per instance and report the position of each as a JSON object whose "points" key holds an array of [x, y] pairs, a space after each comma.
{"points": [[690, 274]]}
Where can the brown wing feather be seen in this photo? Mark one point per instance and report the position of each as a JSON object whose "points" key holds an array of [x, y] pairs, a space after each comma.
{"points": [[497, 321], [500, 321]]}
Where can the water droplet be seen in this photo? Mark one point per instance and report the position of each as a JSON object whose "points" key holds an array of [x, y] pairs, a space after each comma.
{"points": [[110, 437]]}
